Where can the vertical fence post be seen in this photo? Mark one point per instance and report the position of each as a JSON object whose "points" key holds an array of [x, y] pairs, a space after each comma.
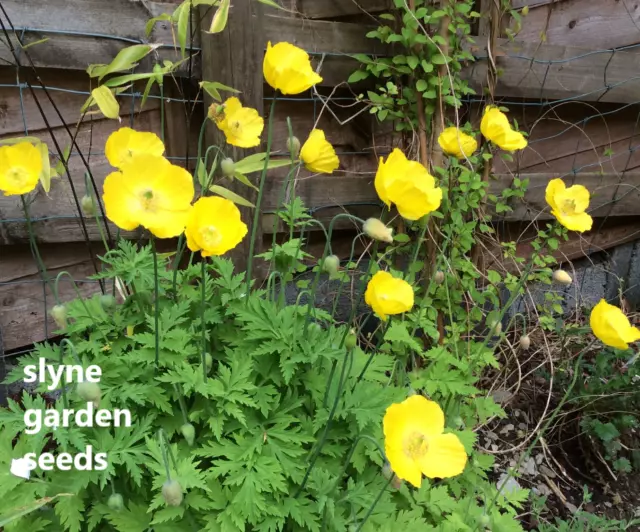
{"points": [[234, 58]]}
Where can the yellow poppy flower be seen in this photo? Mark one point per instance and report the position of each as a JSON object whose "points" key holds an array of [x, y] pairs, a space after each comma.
{"points": [[152, 192], [612, 327], [124, 144], [242, 126], [387, 295], [496, 128], [455, 142], [287, 68], [408, 184], [568, 205], [415, 444], [20, 168], [318, 155], [214, 226]]}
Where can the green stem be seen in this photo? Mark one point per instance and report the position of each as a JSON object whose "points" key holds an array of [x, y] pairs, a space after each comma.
{"points": [[156, 305], [323, 438], [203, 300], [183, 407], [256, 216], [35, 250], [374, 504], [163, 447]]}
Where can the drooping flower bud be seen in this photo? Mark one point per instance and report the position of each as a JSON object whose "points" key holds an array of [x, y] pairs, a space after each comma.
{"points": [[172, 493], [90, 392], [438, 277], [88, 206], [496, 327], [351, 340], [293, 146], [189, 433], [108, 302], [484, 521], [374, 228], [208, 360], [115, 502], [525, 11], [562, 277], [315, 327], [330, 265], [59, 315], [525, 342], [227, 166]]}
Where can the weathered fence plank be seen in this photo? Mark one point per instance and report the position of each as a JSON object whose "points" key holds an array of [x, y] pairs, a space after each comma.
{"points": [[341, 8], [82, 32]]}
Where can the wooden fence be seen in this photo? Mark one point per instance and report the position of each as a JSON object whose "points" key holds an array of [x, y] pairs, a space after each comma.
{"points": [[567, 77]]}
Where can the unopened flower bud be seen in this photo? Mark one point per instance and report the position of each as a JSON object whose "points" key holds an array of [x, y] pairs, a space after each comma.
{"points": [[525, 11], [351, 340], [396, 483], [330, 265], [89, 391], [189, 433], [115, 502], [377, 230], [525, 342], [496, 327], [208, 361], [293, 146], [227, 166], [387, 471], [458, 421], [315, 327], [59, 315], [484, 521], [172, 493], [108, 302], [562, 277], [438, 277], [88, 206]]}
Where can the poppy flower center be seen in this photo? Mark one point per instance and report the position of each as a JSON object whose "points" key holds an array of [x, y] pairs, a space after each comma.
{"points": [[18, 175], [568, 206], [416, 445], [148, 200], [211, 236]]}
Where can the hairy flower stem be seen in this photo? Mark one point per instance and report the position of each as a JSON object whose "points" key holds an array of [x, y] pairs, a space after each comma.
{"points": [[163, 446], [156, 309], [203, 300], [374, 504], [323, 438], [256, 216], [35, 250]]}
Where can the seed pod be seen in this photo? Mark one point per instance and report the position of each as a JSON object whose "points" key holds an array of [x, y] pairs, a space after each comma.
{"points": [[562, 277], [216, 111], [375, 229], [227, 166], [88, 206], [108, 302], [331, 264], [189, 433], [351, 340], [116, 502], [525, 342], [59, 315], [172, 493], [293, 146], [438, 277], [89, 391]]}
